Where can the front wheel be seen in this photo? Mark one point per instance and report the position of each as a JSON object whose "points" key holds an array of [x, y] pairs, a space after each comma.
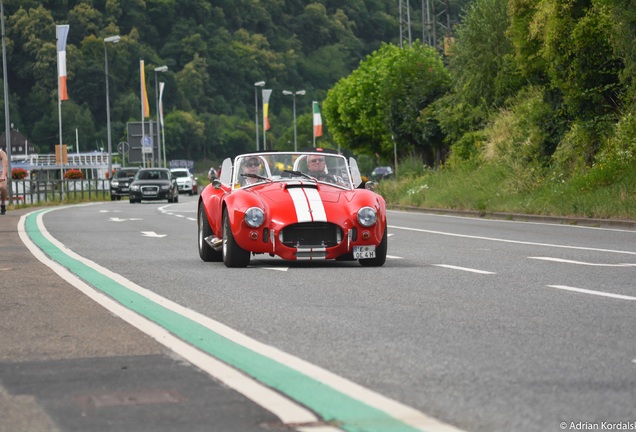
{"points": [[233, 254], [380, 254]]}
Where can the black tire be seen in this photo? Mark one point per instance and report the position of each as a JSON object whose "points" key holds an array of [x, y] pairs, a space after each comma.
{"points": [[380, 254], [112, 197], [206, 252], [233, 254], [132, 200]]}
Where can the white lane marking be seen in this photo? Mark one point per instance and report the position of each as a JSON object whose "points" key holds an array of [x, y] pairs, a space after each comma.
{"points": [[283, 269], [481, 219], [598, 293], [513, 241], [152, 234], [287, 410], [394, 257], [123, 219], [464, 269], [559, 260]]}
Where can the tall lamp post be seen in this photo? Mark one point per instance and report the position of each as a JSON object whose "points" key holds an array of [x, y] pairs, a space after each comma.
{"points": [[163, 68], [293, 95], [256, 86], [7, 121], [111, 39]]}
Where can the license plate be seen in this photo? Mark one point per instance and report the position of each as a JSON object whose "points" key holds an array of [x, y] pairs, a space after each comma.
{"points": [[363, 252]]}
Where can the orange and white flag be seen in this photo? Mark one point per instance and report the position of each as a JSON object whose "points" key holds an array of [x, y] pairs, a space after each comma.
{"points": [[61, 32], [317, 120], [266, 94], [145, 106]]}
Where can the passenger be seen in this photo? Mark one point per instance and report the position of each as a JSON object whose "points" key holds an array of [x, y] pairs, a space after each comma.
{"points": [[250, 166]]}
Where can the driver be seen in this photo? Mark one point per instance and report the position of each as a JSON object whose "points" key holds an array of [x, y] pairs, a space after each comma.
{"points": [[250, 166], [316, 168]]}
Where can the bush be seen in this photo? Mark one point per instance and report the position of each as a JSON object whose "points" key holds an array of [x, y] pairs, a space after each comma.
{"points": [[74, 174], [19, 174]]}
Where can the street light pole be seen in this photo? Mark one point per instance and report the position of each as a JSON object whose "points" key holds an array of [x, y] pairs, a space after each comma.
{"points": [[293, 95], [111, 39], [256, 86], [7, 121], [163, 68]]}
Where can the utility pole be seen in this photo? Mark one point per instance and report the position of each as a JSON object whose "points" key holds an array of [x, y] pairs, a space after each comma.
{"points": [[405, 23], [436, 23]]}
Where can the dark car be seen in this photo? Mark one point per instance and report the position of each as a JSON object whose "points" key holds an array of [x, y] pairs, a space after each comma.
{"points": [[154, 184], [381, 173], [120, 183]]}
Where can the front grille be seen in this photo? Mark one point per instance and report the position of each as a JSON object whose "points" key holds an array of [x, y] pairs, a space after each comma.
{"points": [[150, 190], [311, 234]]}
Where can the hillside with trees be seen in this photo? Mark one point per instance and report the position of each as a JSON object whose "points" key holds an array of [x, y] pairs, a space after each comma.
{"points": [[215, 52], [534, 110]]}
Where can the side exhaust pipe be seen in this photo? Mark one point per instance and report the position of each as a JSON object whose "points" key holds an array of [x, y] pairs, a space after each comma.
{"points": [[214, 243]]}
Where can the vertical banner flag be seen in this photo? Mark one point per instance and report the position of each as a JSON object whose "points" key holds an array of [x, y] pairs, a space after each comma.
{"points": [[161, 86], [266, 95], [145, 107], [61, 32], [317, 120]]}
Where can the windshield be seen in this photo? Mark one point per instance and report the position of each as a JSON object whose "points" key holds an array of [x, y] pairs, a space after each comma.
{"points": [[125, 173], [181, 173], [255, 168], [152, 174]]}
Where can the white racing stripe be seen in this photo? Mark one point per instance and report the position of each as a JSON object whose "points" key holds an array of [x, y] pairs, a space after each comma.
{"points": [[308, 205]]}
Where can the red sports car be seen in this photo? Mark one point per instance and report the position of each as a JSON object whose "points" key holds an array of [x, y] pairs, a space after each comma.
{"points": [[295, 205]]}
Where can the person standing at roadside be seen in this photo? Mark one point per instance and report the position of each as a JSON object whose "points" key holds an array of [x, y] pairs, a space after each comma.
{"points": [[4, 180]]}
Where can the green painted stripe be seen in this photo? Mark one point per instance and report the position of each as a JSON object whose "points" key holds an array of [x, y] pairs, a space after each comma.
{"points": [[331, 405]]}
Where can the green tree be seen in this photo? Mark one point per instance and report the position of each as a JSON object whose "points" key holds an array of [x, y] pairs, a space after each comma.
{"points": [[383, 99]]}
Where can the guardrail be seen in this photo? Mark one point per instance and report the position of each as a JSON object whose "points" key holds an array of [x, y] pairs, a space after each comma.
{"points": [[42, 191]]}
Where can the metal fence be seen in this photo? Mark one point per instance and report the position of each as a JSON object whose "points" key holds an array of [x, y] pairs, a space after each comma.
{"points": [[41, 191]]}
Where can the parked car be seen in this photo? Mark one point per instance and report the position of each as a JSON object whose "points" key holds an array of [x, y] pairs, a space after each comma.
{"points": [[289, 211], [381, 173], [154, 184], [120, 182], [185, 180]]}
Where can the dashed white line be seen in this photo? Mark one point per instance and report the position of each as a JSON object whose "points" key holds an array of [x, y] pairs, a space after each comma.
{"points": [[512, 241], [465, 269], [559, 260], [592, 292]]}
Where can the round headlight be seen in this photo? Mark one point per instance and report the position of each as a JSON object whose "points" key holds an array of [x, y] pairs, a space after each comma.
{"points": [[254, 217], [114, 183], [367, 216]]}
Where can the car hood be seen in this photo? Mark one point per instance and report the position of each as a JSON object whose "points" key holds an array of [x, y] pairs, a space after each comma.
{"points": [[152, 182], [304, 201]]}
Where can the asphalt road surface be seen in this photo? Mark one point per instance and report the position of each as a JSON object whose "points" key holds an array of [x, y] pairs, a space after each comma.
{"points": [[110, 321]]}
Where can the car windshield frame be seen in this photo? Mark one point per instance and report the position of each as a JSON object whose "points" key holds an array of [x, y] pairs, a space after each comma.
{"points": [[289, 167]]}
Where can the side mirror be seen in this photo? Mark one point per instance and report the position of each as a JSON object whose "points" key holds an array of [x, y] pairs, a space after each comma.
{"points": [[369, 186], [216, 183]]}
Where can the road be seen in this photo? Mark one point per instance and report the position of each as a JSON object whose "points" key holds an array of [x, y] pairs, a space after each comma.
{"points": [[472, 324]]}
